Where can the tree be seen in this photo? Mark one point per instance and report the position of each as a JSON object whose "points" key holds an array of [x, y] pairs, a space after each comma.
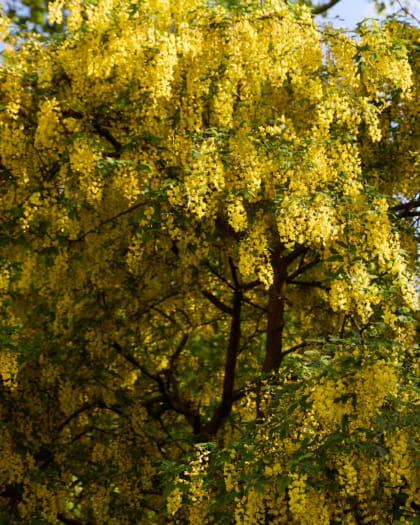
{"points": [[209, 263], [32, 15]]}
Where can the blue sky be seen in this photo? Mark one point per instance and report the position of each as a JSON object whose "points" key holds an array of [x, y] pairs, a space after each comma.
{"points": [[350, 12]]}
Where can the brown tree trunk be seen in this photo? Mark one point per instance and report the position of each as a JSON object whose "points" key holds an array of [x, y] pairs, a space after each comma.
{"points": [[275, 313]]}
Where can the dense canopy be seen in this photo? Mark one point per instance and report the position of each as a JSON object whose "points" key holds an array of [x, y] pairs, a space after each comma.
{"points": [[208, 267]]}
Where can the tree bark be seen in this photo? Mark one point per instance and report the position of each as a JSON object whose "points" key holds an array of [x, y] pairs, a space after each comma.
{"points": [[275, 313], [225, 406]]}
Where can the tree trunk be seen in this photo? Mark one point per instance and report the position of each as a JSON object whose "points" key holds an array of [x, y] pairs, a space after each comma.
{"points": [[225, 406], [275, 313]]}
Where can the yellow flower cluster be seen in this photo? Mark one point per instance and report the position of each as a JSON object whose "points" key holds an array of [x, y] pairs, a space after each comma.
{"points": [[314, 224], [250, 509], [356, 293], [37, 497], [8, 367], [375, 383], [174, 501], [83, 161], [362, 398], [329, 403], [387, 65], [254, 256], [194, 489], [398, 466], [47, 133], [237, 215], [13, 465], [55, 12]]}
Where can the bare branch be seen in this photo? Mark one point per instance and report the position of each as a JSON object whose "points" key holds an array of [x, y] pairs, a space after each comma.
{"points": [[407, 12], [322, 8], [255, 305], [407, 209], [106, 134], [301, 250], [215, 273]]}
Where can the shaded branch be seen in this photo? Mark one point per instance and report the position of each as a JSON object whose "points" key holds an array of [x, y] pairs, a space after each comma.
{"points": [[164, 314], [106, 134], [225, 229], [301, 250], [179, 349], [218, 303], [84, 408], [234, 274], [164, 383], [252, 284], [302, 269], [107, 221], [97, 126], [215, 273], [134, 361], [257, 330], [255, 305]]}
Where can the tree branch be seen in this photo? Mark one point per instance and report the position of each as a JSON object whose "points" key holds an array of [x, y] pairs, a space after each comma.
{"points": [[178, 351], [84, 408], [302, 268], [107, 221], [225, 406], [218, 303], [407, 209], [407, 12], [300, 346], [300, 250], [171, 398], [252, 284], [135, 362], [97, 126], [322, 8], [106, 134], [214, 272]]}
